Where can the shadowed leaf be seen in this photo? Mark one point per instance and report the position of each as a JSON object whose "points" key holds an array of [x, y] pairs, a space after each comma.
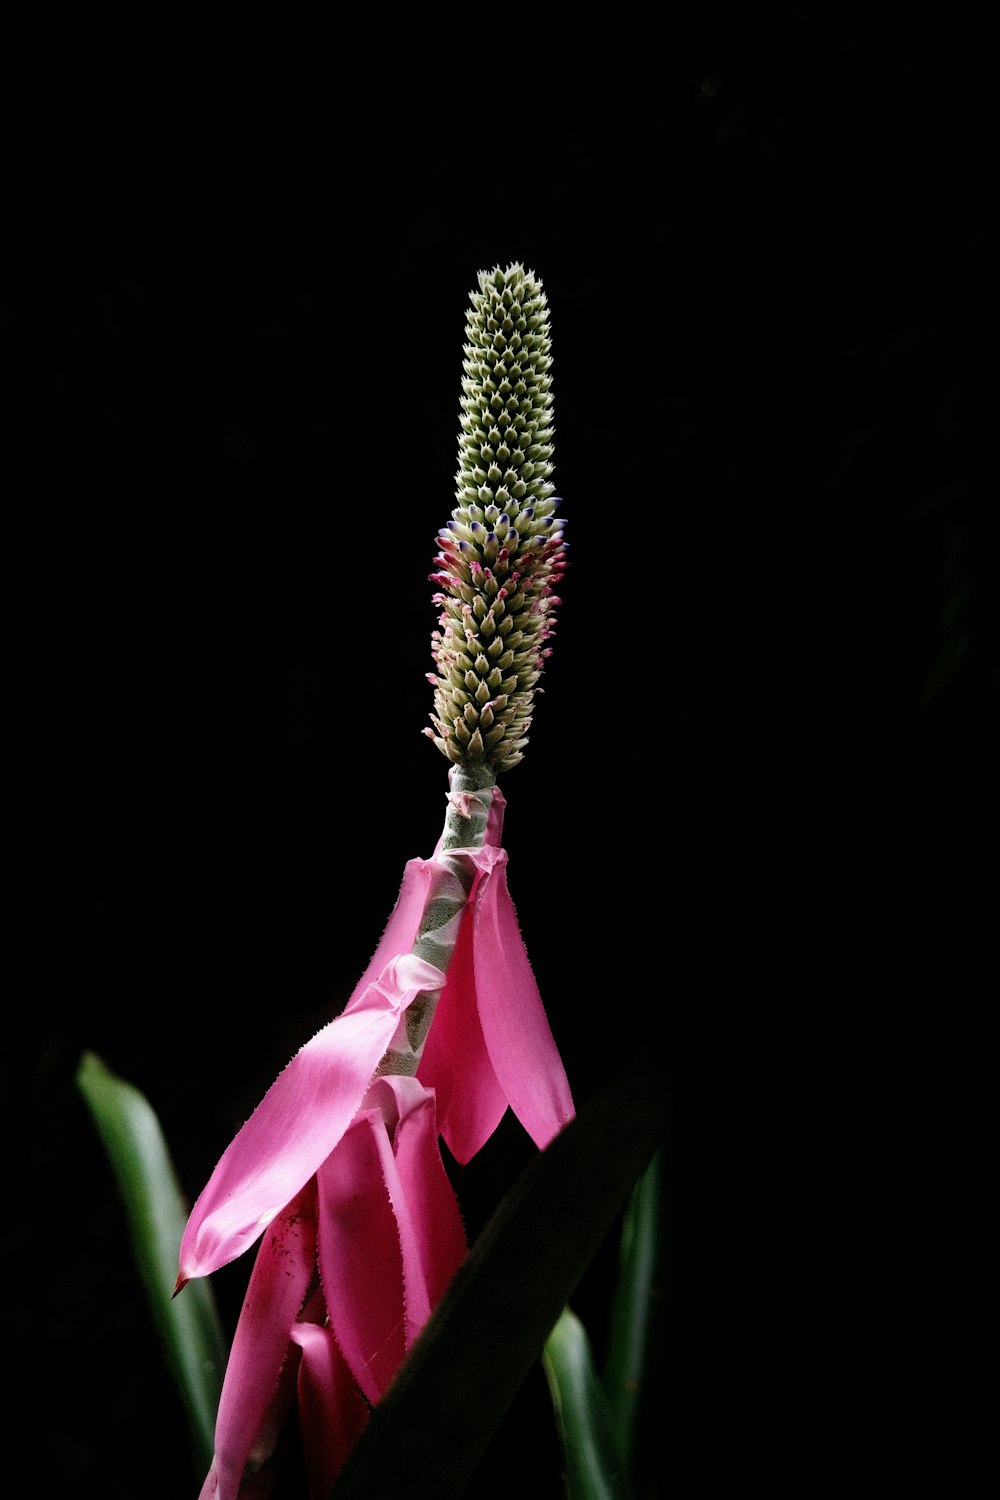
{"points": [[636, 1302], [433, 1425]]}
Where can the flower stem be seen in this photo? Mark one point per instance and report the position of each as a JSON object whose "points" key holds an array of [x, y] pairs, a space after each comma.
{"points": [[468, 806], [469, 803]]}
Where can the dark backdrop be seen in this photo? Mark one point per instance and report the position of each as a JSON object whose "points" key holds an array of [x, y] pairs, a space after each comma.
{"points": [[756, 824]]}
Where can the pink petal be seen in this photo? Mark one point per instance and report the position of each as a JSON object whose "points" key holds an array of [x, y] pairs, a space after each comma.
{"points": [[300, 1119], [432, 1235], [419, 879], [390, 1233], [490, 1044], [255, 1397], [456, 1063], [494, 821], [360, 1259], [210, 1489], [257, 1486], [521, 1048], [332, 1412]]}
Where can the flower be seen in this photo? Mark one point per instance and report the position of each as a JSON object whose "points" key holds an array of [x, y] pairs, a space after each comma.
{"points": [[344, 1279], [339, 1165]]}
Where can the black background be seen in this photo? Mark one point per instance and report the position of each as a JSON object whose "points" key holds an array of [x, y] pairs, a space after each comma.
{"points": [[756, 824]]}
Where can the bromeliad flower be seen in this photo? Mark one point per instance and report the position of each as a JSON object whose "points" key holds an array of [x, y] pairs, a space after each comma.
{"points": [[490, 1045], [339, 1166]]}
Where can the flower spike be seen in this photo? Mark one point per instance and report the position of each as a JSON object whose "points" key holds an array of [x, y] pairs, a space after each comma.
{"points": [[502, 552], [338, 1174]]}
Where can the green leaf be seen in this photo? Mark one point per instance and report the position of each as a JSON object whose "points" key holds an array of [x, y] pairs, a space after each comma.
{"points": [[594, 1469], [435, 1422], [634, 1310], [189, 1326]]}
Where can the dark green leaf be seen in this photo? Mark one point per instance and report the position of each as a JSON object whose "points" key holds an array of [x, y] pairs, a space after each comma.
{"points": [[436, 1420], [636, 1297]]}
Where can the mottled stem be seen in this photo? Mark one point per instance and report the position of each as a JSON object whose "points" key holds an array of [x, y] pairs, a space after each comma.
{"points": [[464, 828]]}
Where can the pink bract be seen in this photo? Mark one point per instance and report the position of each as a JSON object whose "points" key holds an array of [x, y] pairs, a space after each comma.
{"points": [[345, 1277], [339, 1173], [489, 1046]]}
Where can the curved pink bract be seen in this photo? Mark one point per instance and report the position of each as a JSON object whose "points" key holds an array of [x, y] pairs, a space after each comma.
{"points": [[344, 1280], [456, 1063], [255, 1401], [300, 1119], [516, 1031], [390, 1233], [331, 1410], [490, 1045], [339, 1172]]}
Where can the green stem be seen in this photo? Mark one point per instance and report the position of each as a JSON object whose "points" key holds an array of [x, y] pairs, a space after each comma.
{"points": [[464, 828]]}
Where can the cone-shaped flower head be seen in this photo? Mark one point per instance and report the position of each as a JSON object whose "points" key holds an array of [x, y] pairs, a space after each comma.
{"points": [[502, 552]]}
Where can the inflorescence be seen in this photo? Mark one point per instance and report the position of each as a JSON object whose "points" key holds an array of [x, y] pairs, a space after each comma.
{"points": [[502, 552]]}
